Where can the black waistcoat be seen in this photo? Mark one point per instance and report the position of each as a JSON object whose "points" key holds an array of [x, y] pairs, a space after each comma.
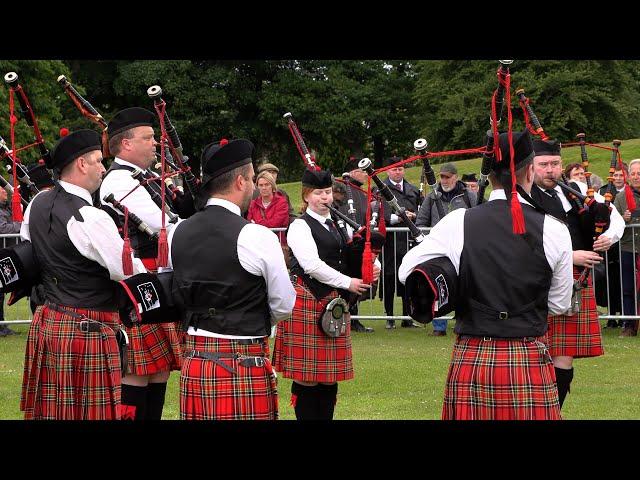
{"points": [[580, 239], [330, 252], [68, 277], [504, 278], [216, 293], [143, 245]]}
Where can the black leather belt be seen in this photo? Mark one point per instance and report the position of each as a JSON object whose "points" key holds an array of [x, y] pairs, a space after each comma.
{"points": [[244, 360], [488, 339]]}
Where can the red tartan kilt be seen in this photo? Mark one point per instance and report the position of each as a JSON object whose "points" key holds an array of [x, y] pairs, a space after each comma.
{"points": [[576, 335], [69, 374], [209, 392], [303, 352], [500, 380], [154, 348]]}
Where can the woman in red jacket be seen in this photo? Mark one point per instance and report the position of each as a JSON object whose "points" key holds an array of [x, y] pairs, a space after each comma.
{"points": [[270, 208]]}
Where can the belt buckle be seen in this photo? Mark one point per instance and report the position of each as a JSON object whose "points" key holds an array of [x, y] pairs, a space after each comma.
{"points": [[259, 361], [84, 326], [503, 315], [487, 339]]}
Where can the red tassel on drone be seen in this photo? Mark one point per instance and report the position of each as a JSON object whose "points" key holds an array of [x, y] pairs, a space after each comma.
{"points": [[16, 205], [367, 264], [163, 248], [127, 261]]}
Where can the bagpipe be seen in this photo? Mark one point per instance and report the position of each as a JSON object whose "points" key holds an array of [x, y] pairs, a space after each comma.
{"points": [[17, 169], [427, 173], [497, 104]]}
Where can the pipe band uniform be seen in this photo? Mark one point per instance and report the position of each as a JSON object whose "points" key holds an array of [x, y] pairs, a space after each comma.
{"points": [[575, 333], [155, 348], [231, 284], [506, 285], [79, 252], [312, 356]]}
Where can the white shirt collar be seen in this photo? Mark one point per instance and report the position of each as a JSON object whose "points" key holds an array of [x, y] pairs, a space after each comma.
{"points": [[76, 190], [317, 216], [396, 184], [221, 202], [126, 164], [499, 194]]}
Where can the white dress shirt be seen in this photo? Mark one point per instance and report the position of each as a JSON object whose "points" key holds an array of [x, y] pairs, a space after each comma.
{"points": [[395, 219], [120, 183], [304, 248], [260, 254], [616, 227], [446, 239], [96, 238]]}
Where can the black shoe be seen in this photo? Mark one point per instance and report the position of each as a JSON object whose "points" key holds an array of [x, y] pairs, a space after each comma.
{"points": [[390, 324], [408, 324], [612, 324], [6, 331], [356, 326]]}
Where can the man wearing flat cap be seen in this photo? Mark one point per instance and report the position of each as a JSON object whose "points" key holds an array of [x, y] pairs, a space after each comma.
{"points": [[508, 282], [73, 364], [231, 282], [576, 335], [453, 194], [154, 349]]}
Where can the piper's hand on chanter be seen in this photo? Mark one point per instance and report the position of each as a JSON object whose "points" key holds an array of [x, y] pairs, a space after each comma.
{"points": [[358, 286], [584, 258], [602, 244], [410, 215]]}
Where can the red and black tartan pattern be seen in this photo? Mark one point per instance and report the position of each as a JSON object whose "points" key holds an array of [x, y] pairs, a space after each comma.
{"points": [[69, 374], [154, 348], [500, 379], [576, 335], [304, 352], [209, 392]]}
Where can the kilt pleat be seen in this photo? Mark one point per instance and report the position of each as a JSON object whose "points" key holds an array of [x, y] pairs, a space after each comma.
{"points": [[69, 374], [500, 379], [303, 352], [577, 335], [210, 392], [154, 348]]}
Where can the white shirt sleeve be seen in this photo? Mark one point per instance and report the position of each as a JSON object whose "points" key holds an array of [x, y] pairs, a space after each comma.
{"points": [[120, 183], [302, 245], [24, 228], [260, 254], [446, 239], [97, 239], [556, 242]]}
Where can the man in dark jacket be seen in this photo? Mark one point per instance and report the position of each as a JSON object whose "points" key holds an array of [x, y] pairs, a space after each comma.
{"points": [[7, 226], [453, 194], [397, 243]]}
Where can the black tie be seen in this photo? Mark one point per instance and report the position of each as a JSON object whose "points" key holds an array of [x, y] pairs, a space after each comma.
{"points": [[334, 231], [556, 208]]}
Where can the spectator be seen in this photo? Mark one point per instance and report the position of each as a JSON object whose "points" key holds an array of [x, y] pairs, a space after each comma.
{"points": [[454, 194], [273, 170], [270, 208], [471, 182], [630, 239], [397, 245], [7, 226], [618, 181], [575, 172]]}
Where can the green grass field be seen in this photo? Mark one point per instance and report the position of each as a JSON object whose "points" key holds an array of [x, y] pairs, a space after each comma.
{"points": [[400, 375]]}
